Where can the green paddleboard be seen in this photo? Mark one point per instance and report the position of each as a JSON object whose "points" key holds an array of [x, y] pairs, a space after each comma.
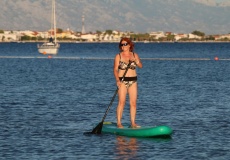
{"points": [[143, 131]]}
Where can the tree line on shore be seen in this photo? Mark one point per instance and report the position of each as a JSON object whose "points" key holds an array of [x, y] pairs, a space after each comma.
{"points": [[134, 36]]}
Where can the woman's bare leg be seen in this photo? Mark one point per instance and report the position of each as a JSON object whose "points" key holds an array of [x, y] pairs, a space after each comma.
{"points": [[121, 104], [133, 103]]}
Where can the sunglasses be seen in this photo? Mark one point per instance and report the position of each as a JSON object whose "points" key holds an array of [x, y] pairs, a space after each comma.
{"points": [[124, 44]]}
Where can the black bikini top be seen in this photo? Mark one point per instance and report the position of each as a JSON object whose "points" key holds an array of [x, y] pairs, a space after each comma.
{"points": [[123, 65]]}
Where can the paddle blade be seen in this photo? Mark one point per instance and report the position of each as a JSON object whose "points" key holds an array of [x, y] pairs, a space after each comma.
{"points": [[97, 129]]}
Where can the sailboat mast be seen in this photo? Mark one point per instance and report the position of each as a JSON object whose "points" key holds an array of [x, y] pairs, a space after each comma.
{"points": [[54, 21], [51, 22]]}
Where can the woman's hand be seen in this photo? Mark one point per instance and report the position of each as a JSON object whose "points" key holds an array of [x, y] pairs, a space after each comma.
{"points": [[132, 59], [118, 84]]}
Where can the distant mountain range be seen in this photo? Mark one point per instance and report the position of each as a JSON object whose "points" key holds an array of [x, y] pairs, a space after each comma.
{"points": [[179, 16]]}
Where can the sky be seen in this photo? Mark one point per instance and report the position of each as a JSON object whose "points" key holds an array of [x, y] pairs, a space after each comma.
{"points": [[97, 18]]}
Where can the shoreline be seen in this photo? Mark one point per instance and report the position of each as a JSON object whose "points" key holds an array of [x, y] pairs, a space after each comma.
{"points": [[118, 42]]}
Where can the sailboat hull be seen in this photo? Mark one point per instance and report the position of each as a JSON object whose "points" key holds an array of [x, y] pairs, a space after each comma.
{"points": [[48, 48]]}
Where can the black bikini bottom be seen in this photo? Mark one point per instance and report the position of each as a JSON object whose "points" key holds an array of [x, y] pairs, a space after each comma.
{"points": [[129, 78], [128, 81]]}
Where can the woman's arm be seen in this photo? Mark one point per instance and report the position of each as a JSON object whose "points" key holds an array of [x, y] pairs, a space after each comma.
{"points": [[138, 61], [115, 68]]}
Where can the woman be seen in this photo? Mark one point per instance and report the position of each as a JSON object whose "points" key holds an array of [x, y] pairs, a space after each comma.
{"points": [[129, 84]]}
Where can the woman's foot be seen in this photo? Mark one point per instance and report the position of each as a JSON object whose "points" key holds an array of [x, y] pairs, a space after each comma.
{"points": [[120, 126], [135, 126]]}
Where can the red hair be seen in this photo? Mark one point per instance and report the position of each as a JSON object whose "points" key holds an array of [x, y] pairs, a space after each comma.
{"points": [[131, 44]]}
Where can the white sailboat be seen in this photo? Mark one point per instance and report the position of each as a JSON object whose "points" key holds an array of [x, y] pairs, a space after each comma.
{"points": [[51, 47]]}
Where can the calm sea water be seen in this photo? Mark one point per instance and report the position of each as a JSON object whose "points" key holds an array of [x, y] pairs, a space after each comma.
{"points": [[46, 105]]}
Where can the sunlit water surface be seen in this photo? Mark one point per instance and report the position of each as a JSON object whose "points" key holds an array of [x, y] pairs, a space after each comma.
{"points": [[46, 104]]}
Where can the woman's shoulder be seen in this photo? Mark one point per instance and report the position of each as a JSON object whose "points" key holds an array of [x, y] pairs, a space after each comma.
{"points": [[135, 54], [118, 55]]}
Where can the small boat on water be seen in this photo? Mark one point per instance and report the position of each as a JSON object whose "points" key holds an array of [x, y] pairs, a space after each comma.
{"points": [[51, 47]]}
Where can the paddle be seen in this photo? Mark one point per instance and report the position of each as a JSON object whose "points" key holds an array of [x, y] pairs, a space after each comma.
{"points": [[98, 128]]}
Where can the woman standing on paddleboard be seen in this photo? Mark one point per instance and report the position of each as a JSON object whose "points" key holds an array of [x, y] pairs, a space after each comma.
{"points": [[126, 58]]}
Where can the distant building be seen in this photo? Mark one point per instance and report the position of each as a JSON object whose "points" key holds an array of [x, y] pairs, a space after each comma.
{"points": [[225, 36], [89, 37], [157, 35], [180, 36], [9, 36], [44, 35], [193, 36]]}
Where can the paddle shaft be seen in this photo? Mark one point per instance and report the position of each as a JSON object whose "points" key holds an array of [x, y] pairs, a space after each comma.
{"points": [[111, 102], [98, 128]]}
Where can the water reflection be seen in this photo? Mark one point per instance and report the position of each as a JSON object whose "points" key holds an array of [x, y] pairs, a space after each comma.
{"points": [[126, 147]]}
